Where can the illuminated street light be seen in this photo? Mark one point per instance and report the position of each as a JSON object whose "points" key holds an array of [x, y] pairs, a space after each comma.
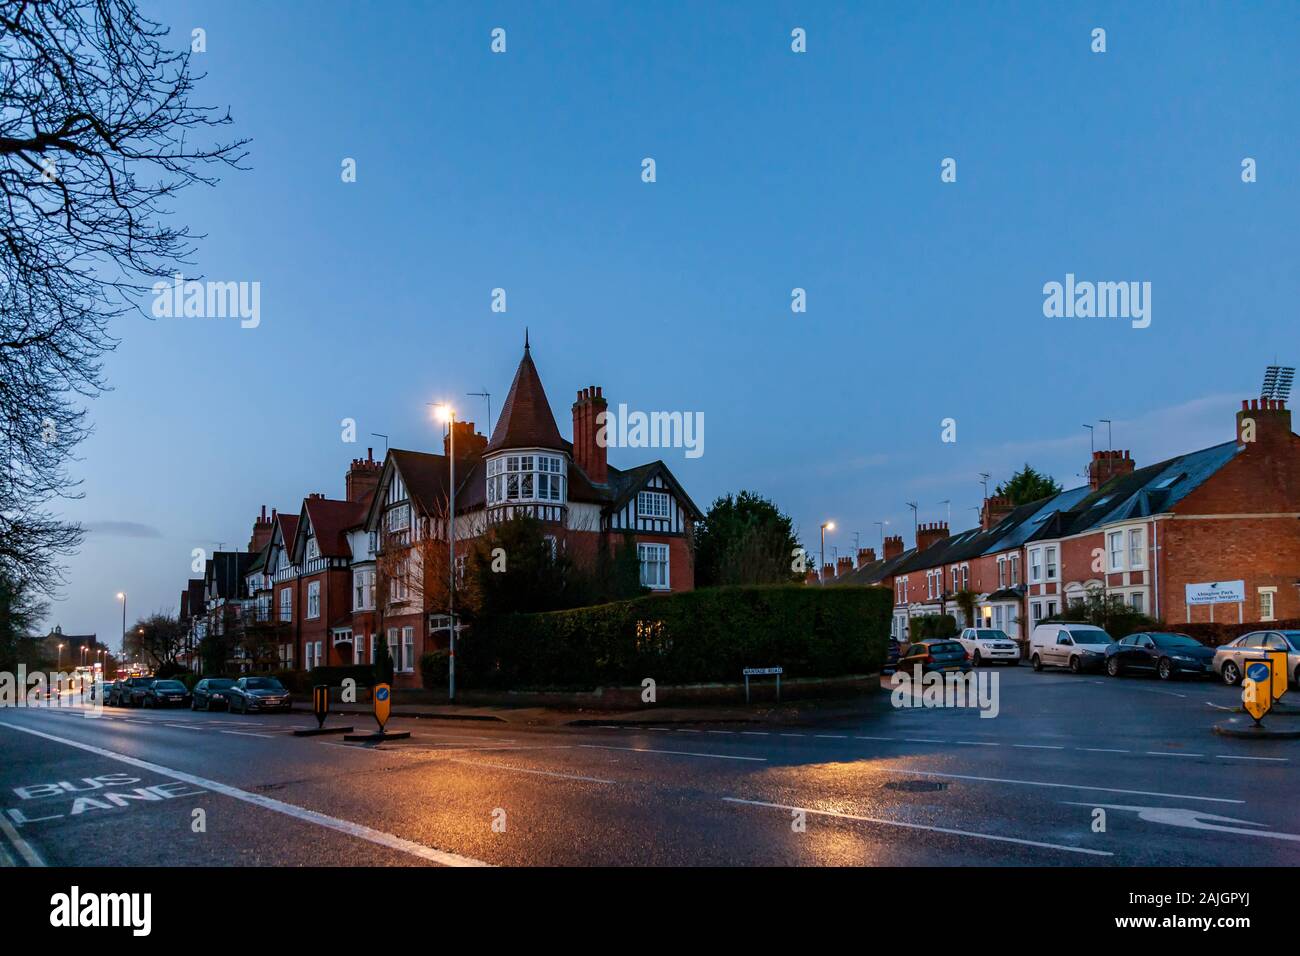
{"points": [[826, 526]]}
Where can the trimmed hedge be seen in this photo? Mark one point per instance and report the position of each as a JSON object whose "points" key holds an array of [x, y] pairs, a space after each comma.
{"points": [[363, 674], [934, 625], [702, 636], [1216, 634], [434, 668]]}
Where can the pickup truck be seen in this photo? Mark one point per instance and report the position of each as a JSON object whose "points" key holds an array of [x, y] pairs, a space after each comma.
{"points": [[987, 645]]}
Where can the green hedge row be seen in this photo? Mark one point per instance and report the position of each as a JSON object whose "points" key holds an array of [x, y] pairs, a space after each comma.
{"points": [[709, 635], [363, 674]]}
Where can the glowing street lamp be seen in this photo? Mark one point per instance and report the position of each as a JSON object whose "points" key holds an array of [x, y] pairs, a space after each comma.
{"points": [[826, 526], [121, 596]]}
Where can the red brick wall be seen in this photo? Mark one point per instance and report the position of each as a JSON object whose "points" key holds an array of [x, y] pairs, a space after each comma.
{"points": [[1262, 484]]}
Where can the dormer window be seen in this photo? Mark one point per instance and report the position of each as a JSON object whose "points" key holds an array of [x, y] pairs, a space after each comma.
{"points": [[528, 477]]}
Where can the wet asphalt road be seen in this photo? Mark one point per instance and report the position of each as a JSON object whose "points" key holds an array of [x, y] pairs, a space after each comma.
{"points": [[894, 787]]}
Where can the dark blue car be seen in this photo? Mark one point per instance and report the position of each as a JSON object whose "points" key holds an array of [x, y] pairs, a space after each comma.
{"points": [[1165, 654]]}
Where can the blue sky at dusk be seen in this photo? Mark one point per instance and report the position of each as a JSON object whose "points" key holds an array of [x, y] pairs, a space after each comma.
{"points": [[775, 170]]}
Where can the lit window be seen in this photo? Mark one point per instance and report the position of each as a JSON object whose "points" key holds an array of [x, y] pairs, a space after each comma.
{"points": [[654, 565]]}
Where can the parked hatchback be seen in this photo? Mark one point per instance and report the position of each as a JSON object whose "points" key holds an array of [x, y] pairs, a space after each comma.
{"points": [[131, 693], [211, 692], [1228, 659], [1167, 654], [938, 654], [165, 693]]}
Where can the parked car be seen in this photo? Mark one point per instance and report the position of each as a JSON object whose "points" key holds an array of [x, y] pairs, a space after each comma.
{"points": [[987, 644], [165, 693], [113, 693], [132, 691], [934, 654], [211, 692], [1228, 658], [257, 693], [1165, 653], [1079, 647]]}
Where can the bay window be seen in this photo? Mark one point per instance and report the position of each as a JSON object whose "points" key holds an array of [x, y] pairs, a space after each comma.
{"points": [[654, 565], [534, 477]]}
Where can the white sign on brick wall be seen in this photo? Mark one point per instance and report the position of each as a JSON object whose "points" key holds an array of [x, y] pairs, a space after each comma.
{"points": [[1217, 592]]}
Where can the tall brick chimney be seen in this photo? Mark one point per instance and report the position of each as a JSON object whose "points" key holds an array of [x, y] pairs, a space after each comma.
{"points": [[1106, 465], [994, 510], [1264, 422], [363, 477], [843, 565], [588, 452], [811, 576], [928, 534], [469, 443], [828, 571], [893, 546], [262, 528], [866, 556]]}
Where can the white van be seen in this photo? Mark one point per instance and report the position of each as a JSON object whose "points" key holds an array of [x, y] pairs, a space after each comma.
{"points": [[1080, 647]]}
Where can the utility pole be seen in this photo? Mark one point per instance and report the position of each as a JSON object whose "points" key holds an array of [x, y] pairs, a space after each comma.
{"points": [[1092, 443], [915, 525], [1110, 441], [984, 480]]}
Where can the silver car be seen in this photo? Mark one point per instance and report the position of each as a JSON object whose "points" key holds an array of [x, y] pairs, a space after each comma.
{"points": [[1228, 658]]}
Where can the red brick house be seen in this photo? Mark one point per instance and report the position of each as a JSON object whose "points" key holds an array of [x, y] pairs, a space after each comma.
{"points": [[526, 468]]}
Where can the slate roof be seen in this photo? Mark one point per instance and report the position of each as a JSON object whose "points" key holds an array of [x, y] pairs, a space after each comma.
{"points": [[331, 518]]}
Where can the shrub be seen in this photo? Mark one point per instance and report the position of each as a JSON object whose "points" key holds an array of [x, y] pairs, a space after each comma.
{"points": [[295, 682], [169, 670], [433, 669], [696, 636], [933, 625], [1218, 633]]}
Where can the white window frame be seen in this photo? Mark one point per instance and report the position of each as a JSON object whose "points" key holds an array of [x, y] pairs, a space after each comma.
{"points": [[1051, 566], [1035, 565], [1267, 595], [313, 600], [1002, 572], [1015, 569], [649, 567], [1112, 549], [527, 476], [653, 504], [286, 604], [408, 650], [1137, 545]]}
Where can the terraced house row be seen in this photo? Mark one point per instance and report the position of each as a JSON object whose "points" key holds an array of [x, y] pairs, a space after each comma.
{"points": [[1140, 534], [324, 584]]}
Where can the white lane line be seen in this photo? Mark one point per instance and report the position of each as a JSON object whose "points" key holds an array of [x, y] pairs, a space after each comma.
{"points": [[685, 730], [1219, 707], [757, 733], [1058, 786], [921, 740], [360, 831], [977, 743], [184, 727], [246, 733], [542, 773], [722, 731], [1104, 750], [920, 826], [1236, 757], [679, 753], [1170, 753], [832, 736], [873, 738], [1037, 747], [25, 849], [794, 735]]}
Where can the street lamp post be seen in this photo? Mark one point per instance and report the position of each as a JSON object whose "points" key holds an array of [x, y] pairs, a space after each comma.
{"points": [[121, 596], [826, 526], [448, 414], [59, 666]]}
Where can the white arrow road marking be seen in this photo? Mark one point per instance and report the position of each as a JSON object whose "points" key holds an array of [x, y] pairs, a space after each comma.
{"points": [[1194, 820], [920, 826]]}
